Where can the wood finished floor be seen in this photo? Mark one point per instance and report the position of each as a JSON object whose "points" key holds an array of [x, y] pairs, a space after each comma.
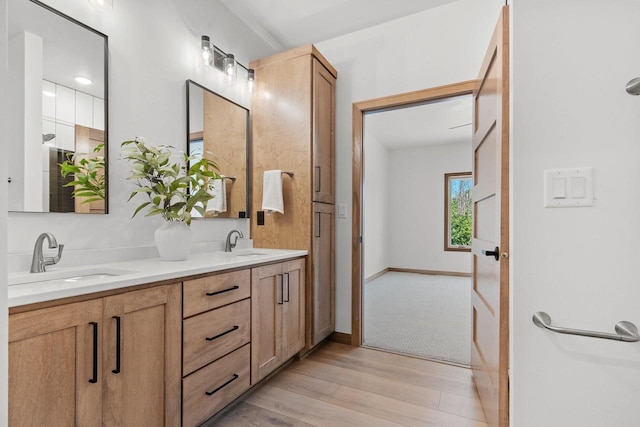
{"points": [[338, 385]]}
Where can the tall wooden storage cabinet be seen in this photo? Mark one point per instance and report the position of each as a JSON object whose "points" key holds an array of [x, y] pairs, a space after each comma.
{"points": [[293, 129]]}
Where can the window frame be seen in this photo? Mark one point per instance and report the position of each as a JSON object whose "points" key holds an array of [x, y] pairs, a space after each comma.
{"points": [[447, 213]]}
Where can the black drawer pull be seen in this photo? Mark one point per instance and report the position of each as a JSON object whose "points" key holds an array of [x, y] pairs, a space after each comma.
{"points": [[118, 349], [235, 328], [210, 393], [233, 288], [94, 378]]}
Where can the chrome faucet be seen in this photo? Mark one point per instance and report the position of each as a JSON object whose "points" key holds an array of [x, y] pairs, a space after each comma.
{"points": [[228, 245], [39, 261]]}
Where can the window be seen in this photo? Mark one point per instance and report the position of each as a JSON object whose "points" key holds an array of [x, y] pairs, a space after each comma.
{"points": [[457, 211]]}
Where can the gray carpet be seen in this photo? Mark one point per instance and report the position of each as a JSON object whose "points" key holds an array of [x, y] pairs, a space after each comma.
{"points": [[419, 314]]}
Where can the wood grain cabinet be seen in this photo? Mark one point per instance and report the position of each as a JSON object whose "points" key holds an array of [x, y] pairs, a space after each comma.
{"points": [[215, 343], [293, 129], [277, 315], [108, 361]]}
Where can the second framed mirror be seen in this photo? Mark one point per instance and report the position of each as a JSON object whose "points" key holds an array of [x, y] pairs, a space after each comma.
{"points": [[219, 129]]}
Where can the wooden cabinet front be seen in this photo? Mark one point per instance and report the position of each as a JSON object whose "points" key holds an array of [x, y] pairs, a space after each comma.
{"points": [[108, 361], [322, 284], [277, 315], [54, 366], [323, 134], [142, 373]]}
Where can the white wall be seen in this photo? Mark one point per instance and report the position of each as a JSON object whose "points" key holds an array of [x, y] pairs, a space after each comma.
{"points": [[571, 61], [153, 50], [436, 47], [4, 146], [416, 218], [376, 206]]}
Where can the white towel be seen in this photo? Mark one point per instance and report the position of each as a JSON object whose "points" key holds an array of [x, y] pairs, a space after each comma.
{"points": [[219, 192], [272, 192]]}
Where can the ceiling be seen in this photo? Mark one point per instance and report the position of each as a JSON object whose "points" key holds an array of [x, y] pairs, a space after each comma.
{"points": [[441, 122], [286, 24]]}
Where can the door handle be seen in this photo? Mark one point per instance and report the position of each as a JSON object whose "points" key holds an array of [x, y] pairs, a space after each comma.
{"points": [[288, 290], [318, 225], [281, 299], [494, 253]]}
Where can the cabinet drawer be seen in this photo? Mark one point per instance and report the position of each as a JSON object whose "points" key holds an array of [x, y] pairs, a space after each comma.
{"points": [[211, 335], [215, 291], [207, 391]]}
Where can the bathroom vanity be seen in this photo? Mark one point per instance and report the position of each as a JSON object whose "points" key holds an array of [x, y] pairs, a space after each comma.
{"points": [[149, 342]]}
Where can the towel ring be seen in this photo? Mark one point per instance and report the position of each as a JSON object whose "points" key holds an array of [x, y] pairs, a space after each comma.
{"points": [[232, 178], [288, 173]]}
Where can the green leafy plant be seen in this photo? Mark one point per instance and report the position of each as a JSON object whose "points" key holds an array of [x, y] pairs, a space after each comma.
{"points": [[174, 189], [88, 172]]}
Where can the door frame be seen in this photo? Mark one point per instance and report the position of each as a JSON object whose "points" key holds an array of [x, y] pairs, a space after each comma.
{"points": [[359, 110]]}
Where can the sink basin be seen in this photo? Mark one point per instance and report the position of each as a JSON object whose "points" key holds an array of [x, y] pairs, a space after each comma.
{"points": [[68, 276], [250, 253]]}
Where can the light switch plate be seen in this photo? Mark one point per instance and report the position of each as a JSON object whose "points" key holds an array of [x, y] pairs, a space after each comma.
{"points": [[578, 187], [342, 211]]}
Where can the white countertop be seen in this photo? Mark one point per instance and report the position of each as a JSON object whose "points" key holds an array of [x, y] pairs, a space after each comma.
{"points": [[60, 283]]}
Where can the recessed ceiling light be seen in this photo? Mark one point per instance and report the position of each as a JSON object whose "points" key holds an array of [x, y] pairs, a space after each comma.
{"points": [[84, 80], [48, 93], [102, 4]]}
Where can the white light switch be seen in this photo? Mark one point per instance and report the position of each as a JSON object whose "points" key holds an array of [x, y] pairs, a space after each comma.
{"points": [[342, 211], [577, 187], [568, 187], [559, 188]]}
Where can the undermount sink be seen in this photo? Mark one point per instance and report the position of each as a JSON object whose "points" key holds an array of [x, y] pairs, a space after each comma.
{"points": [[249, 253], [68, 276]]}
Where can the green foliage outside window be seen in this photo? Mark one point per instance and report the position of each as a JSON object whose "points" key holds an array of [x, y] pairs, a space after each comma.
{"points": [[460, 208]]}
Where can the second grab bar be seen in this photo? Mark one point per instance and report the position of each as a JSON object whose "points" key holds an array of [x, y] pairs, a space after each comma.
{"points": [[625, 331]]}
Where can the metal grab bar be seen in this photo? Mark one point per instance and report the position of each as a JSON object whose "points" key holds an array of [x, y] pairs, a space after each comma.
{"points": [[625, 331]]}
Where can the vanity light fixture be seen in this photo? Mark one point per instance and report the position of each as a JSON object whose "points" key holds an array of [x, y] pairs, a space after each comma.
{"points": [[215, 57], [84, 80], [102, 4]]}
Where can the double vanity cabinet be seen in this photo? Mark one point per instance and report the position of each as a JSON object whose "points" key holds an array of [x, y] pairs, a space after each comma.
{"points": [[172, 352]]}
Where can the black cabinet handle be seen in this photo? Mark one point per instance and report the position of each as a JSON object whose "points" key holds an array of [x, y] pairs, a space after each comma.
{"points": [[94, 378], [288, 290], [281, 299], [235, 328], [318, 176], [494, 253], [233, 288], [212, 392], [318, 226], [118, 349]]}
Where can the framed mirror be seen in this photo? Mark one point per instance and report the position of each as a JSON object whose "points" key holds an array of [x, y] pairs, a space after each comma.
{"points": [[219, 129], [58, 92]]}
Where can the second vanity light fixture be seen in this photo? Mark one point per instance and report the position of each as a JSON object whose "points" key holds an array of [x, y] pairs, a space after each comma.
{"points": [[215, 57]]}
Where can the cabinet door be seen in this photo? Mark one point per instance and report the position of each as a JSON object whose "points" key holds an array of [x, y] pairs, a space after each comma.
{"points": [[323, 134], [323, 279], [54, 366], [293, 321], [266, 338], [143, 372]]}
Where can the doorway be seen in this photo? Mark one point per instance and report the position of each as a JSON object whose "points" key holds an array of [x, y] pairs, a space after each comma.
{"points": [[363, 270], [416, 257]]}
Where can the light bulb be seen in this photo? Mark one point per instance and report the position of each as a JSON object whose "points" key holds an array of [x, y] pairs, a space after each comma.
{"points": [[251, 77], [230, 65], [207, 53]]}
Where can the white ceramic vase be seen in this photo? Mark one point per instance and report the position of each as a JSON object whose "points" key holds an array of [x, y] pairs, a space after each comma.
{"points": [[173, 240]]}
